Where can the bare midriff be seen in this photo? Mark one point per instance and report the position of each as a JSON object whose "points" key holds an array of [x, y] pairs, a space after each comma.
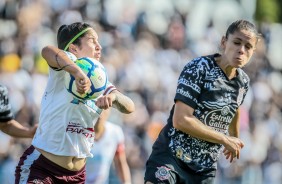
{"points": [[68, 162]]}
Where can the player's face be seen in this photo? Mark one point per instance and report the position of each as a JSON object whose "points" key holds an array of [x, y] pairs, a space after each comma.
{"points": [[239, 48], [89, 46]]}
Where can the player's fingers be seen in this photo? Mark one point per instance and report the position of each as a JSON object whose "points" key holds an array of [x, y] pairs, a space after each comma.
{"points": [[101, 103], [82, 81], [242, 145], [80, 89], [228, 156], [231, 159], [238, 154]]}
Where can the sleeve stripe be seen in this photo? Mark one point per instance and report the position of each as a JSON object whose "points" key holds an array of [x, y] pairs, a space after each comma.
{"points": [[109, 90]]}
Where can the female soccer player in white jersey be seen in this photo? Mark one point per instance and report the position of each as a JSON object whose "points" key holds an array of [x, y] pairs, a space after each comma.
{"points": [[65, 134]]}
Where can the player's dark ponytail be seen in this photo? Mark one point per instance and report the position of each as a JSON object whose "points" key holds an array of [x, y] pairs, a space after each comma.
{"points": [[62, 36]]}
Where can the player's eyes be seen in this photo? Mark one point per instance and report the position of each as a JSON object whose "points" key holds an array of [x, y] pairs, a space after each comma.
{"points": [[249, 47], [95, 42]]}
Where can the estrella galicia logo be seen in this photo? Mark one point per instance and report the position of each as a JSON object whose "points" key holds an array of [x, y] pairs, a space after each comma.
{"points": [[219, 119]]}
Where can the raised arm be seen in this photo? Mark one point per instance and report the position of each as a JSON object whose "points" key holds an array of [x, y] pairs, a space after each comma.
{"points": [[59, 60]]}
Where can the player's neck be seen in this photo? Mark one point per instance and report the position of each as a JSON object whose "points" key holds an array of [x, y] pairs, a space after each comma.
{"points": [[229, 71]]}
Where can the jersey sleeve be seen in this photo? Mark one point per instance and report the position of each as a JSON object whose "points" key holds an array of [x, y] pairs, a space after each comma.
{"points": [[70, 55], [190, 82], [5, 107], [109, 88]]}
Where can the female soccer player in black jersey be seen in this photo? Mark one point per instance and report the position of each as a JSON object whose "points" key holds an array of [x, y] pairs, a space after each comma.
{"points": [[204, 118]]}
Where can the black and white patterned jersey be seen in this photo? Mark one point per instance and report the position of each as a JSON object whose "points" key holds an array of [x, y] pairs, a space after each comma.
{"points": [[204, 86], [5, 107]]}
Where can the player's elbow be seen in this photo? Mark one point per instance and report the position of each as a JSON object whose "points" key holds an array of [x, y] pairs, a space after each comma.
{"points": [[182, 123], [131, 107], [177, 123], [45, 51]]}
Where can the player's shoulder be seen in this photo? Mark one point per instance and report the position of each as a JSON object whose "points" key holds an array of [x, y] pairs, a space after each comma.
{"points": [[202, 62], [243, 76]]}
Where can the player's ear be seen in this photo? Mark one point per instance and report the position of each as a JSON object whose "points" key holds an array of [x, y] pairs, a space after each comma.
{"points": [[223, 42], [73, 49]]}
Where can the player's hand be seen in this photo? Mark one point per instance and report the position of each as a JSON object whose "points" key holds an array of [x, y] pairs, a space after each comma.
{"points": [[229, 155], [232, 148], [82, 82], [105, 101], [32, 130]]}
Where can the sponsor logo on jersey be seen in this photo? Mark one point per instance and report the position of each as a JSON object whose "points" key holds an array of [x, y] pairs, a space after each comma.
{"points": [[219, 119], [162, 173], [183, 92], [188, 83], [185, 157], [78, 129]]}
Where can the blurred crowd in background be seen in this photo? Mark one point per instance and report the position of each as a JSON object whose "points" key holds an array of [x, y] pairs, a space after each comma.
{"points": [[145, 46]]}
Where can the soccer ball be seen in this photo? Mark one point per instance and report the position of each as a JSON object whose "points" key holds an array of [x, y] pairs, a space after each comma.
{"points": [[97, 75]]}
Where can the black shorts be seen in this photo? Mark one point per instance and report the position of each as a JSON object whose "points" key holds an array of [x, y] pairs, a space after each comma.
{"points": [[162, 167]]}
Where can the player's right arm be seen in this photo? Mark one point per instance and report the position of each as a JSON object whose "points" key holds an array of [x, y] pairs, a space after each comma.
{"points": [[184, 120], [58, 59]]}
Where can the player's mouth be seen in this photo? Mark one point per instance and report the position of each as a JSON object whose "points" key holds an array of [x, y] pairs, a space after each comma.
{"points": [[97, 55], [239, 59]]}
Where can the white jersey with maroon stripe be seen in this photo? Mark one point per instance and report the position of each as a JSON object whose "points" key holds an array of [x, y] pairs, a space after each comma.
{"points": [[66, 124]]}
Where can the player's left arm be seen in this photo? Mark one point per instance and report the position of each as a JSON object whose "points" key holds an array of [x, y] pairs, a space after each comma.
{"points": [[15, 129], [117, 100], [121, 165], [234, 127]]}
